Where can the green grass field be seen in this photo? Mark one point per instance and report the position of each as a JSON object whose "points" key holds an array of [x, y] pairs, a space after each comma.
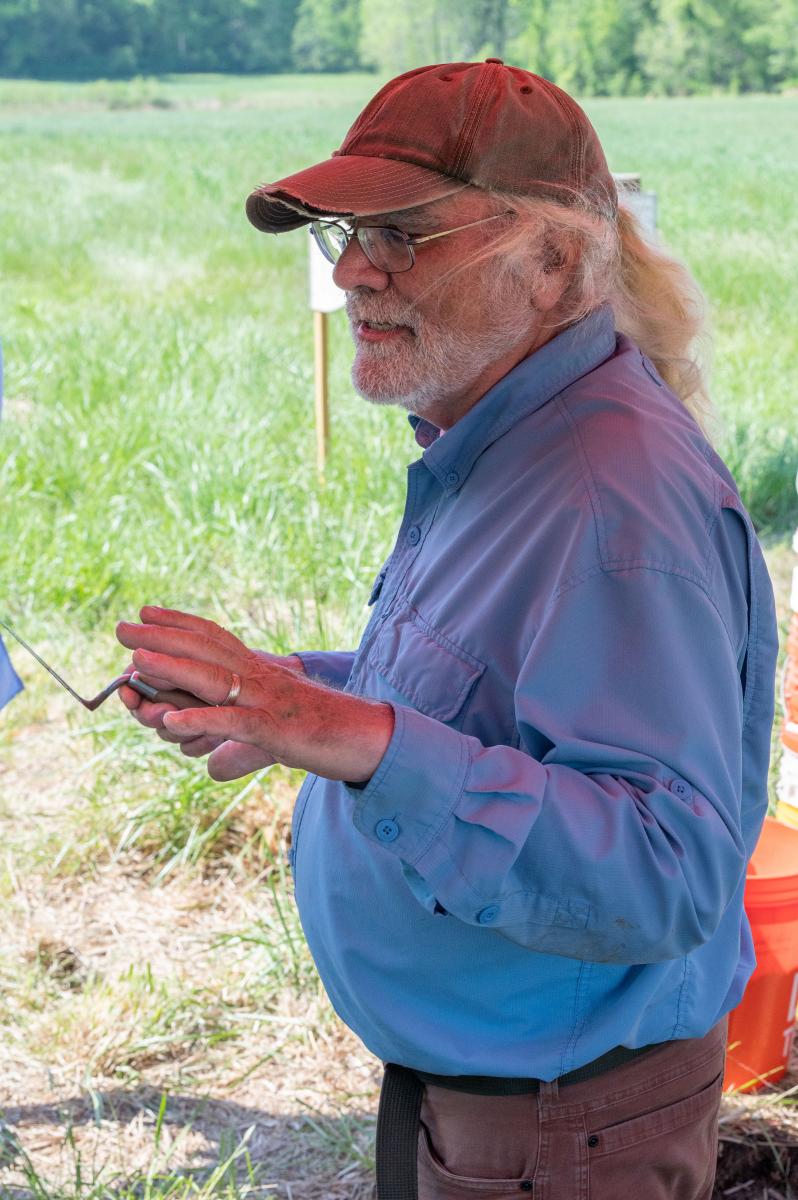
{"points": [[158, 447], [159, 440]]}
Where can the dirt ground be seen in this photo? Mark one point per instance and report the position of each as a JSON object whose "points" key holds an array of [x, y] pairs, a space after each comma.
{"points": [[116, 993], [298, 1086]]}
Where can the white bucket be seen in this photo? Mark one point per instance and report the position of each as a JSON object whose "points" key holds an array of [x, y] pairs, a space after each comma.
{"points": [[787, 788]]}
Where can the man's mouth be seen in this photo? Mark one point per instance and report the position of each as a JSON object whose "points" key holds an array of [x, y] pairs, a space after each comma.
{"points": [[380, 330]]}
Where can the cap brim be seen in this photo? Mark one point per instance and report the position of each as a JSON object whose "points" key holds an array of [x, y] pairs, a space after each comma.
{"points": [[346, 185]]}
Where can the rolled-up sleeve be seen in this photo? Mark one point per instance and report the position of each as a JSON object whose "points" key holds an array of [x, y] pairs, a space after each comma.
{"points": [[619, 839]]}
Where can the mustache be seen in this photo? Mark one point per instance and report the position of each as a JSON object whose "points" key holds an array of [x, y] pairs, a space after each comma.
{"points": [[382, 314]]}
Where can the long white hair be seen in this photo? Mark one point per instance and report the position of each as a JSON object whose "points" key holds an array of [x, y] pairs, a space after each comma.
{"points": [[608, 258]]}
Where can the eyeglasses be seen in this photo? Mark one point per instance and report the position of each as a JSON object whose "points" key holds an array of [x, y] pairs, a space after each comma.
{"points": [[386, 248], [131, 679]]}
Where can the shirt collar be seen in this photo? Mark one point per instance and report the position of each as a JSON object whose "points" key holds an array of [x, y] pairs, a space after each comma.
{"points": [[530, 384]]}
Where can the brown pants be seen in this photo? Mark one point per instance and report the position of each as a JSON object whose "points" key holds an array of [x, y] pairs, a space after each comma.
{"points": [[647, 1130]]}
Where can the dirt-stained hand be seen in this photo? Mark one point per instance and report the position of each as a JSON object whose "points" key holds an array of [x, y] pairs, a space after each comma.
{"points": [[279, 715], [151, 713]]}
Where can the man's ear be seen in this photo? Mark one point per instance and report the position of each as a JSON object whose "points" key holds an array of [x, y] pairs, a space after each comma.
{"points": [[559, 254], [552, 256]]}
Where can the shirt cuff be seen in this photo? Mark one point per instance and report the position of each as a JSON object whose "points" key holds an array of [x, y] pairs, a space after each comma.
{"points": [[418, 783], [333, 667]]}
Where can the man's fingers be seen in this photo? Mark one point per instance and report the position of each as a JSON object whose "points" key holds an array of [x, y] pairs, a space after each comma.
{"points": [[199, 747], [156, 614], [238, 724], [165, 687], [152, 614], [185, 643], [128, 695], [164, 624], [239, 754], [208, 681], [130, 698], [234, 759], [151, 713], [194, 747], [178, 699]]}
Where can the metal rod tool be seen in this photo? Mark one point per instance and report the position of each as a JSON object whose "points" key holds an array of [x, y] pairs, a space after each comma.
{"points": [[132, 680]]}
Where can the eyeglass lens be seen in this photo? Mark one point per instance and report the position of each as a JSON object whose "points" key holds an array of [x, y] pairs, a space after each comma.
{"points": [[385, 248]]}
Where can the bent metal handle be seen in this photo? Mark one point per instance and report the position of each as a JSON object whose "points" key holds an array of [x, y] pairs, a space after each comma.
{"points": [[131, 679]]}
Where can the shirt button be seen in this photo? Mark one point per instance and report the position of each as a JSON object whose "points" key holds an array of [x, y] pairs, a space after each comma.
{"points": [[487, 916], [681, 789], [414, 535], [592, 1140], [387, 831], [525, 1185], [452, 478]]}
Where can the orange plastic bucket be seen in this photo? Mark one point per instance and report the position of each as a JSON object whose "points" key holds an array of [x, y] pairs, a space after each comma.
{"points": [[762, 1026]]}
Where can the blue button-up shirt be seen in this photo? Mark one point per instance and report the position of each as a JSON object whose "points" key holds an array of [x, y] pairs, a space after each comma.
{"points": [[576, 631]]}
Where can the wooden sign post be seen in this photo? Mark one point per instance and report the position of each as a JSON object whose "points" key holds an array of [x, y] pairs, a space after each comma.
{"points": [[325, 298], [321, 388]]}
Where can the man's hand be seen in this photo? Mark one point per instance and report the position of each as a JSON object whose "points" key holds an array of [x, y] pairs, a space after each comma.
{"points": [[279, 716], [151, 713]]}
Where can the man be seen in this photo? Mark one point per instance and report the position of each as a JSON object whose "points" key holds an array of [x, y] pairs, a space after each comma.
{"points": [[10, 683], [520, 853]]}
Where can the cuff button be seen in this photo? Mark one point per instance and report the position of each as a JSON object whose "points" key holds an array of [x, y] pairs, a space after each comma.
{"points": [[386, 830], [486, 916]]}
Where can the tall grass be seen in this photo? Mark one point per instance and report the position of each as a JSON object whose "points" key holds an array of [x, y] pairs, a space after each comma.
{"points": [[158, 442]]}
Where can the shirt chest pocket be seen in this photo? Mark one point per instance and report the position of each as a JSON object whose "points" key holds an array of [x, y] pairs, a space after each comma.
{"points": [[414, 664]]}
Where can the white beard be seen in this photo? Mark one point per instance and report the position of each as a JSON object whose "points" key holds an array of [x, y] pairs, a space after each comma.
{"points": [[421, 371]]}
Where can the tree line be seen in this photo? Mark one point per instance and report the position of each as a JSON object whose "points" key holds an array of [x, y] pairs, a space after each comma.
{"points": [[590, 47]]}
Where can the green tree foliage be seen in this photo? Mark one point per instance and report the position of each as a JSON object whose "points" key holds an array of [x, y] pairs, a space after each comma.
{"points": [[326, 35], [71, 38], [780, 32], [223, 35], [598, 47], [84, 39], [397, 37], [701, 45], [587, 46]]}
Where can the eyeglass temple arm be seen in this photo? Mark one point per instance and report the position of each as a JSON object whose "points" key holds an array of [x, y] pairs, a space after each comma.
{"points": [[429, 237]]}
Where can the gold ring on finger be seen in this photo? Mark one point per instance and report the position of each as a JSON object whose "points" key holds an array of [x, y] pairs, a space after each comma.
{"points": [[233, 694]]}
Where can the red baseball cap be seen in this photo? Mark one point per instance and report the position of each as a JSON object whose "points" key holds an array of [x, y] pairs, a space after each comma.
{"points": [[432, 131]]}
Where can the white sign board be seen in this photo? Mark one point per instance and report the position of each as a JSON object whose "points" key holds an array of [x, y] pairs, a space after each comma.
{"points": [[644, 207], [643, 204], [325, 297]]}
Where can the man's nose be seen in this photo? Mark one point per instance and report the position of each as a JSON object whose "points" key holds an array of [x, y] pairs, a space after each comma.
{"points": [[354, 270]]}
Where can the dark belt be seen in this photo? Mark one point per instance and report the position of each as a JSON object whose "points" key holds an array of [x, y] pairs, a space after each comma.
{"points": [[400, 1107]]}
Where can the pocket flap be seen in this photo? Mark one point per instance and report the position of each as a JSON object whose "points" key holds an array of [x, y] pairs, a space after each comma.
{"points": [[431, 671]]}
